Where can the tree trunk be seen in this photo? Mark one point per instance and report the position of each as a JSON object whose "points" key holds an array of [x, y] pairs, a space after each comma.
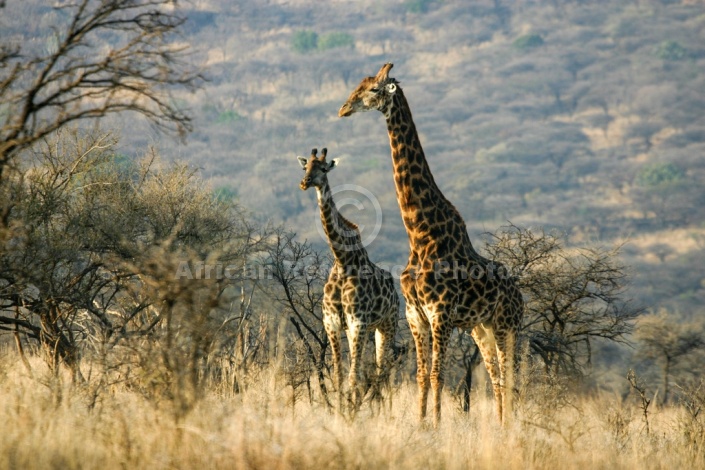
{"points": [[666, 374]]}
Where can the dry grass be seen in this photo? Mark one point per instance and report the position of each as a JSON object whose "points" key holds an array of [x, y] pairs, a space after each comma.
{"points": [[48, 424]]}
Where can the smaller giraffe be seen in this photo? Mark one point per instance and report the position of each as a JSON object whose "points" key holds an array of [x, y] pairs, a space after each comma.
{"points": [[358, 296]]}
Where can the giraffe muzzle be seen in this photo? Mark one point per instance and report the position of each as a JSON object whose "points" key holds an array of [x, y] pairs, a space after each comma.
{"points": [[305, 183], [345, 110]]}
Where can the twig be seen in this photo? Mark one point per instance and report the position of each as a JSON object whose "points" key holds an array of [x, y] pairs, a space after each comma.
{"points": [[641, 390]]}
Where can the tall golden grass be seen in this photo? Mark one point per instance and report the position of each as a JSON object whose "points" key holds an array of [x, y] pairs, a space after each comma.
{"points": [[49, 423]]}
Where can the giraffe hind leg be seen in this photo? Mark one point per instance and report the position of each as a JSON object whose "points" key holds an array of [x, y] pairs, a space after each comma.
{"points": [[485, 340], [506, 344]]}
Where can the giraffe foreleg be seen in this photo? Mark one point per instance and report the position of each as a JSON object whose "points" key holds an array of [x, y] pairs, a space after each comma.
{"points": [[356, 337], [333, 331], [384, 341], [420, 332]]}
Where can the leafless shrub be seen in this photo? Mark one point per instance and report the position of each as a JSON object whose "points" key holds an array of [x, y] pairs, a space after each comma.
{"points": [[638, 386], [117, 262], [298, 273], [297, 371], [549, 402], [574, 296], [692, 422], [670, 341], [617, 420], [467, 355], [173, 357]]}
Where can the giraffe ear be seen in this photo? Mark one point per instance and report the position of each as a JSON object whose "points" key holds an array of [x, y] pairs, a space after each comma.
{"points": [[391, 88], [302, 161], [333, 163]]}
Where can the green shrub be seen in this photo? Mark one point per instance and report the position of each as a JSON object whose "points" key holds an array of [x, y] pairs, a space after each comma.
{"points": [[624, 27], [304, 41], [225, 193], [528, 41], [659, 174], [336, 39], [670, 50], [227, 117], [417, 6]]}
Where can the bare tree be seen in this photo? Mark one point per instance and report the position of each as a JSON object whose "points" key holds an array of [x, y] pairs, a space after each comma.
{"points": [[83, 218], [670, 341], [466, 358], [299, 274], [103, 57], [299, 270], [574, 296]]}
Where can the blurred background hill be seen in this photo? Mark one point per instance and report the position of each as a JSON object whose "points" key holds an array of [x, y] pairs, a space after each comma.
{"points": [[580, 116], [583, 116]]}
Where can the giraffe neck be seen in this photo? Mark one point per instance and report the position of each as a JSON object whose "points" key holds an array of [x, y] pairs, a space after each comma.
{"points": [[429, 218], [343, 235]]}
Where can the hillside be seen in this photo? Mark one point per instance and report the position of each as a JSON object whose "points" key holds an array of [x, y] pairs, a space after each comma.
{"points": [[586, 117]]}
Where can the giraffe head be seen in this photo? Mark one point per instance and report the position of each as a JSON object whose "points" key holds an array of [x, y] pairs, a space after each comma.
{"points": [[372, 93], [316, 169]]}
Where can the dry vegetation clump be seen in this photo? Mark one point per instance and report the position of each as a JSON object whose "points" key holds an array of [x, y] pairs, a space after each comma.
{"points": [[261, 428]]}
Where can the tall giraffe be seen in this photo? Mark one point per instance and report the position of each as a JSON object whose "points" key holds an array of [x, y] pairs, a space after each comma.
{"points": [[446, 283], [358, 296]]}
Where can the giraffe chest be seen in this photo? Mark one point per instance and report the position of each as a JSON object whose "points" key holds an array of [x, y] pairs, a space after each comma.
{"points": [[450, 294]]}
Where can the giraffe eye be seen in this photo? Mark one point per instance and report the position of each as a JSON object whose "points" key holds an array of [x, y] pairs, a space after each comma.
{"points": [[374, 90]]}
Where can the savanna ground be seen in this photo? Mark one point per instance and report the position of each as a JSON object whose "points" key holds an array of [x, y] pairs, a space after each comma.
{"points": [[50, 423]]}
